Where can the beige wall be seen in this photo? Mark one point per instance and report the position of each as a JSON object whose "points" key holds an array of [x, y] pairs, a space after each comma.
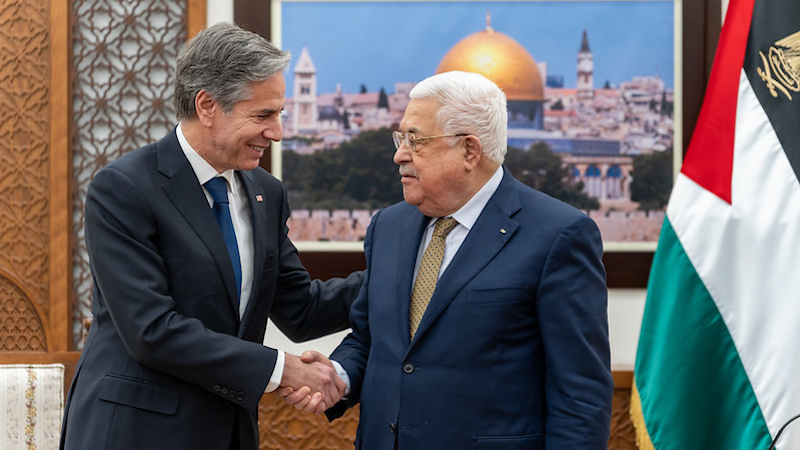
{"points": [[219, 11]]}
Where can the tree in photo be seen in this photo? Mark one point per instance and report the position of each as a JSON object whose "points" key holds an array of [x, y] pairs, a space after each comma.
{"points": [[359, 174], [652, 180], [545, 171]]}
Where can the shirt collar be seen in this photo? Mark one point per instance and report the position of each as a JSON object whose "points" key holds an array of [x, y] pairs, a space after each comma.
{"points": [[468, 214], [202, 169]]}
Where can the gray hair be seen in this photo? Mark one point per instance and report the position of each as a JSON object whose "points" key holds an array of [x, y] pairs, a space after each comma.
{"points": [[225, 61], [471, 103]]}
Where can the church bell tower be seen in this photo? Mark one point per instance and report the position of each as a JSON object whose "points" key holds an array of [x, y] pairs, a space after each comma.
{"points": [[585, 70], [305, 94]]}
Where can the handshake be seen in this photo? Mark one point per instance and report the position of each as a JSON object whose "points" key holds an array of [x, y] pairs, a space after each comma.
{"points": [[310, 382]]}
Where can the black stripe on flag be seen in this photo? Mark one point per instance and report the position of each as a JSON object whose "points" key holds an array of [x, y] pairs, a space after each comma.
{"points": [[772, 64]]}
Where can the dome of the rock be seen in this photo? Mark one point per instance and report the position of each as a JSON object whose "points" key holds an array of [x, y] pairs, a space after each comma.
{"points": [[499, 58]]}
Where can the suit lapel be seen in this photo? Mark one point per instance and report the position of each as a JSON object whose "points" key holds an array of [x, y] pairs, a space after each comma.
{"points": [[185, 192], [488, 236], [410, 238]]}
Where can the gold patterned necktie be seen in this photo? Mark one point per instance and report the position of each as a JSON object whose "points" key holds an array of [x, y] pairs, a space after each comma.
{"points": [[428, 273]]}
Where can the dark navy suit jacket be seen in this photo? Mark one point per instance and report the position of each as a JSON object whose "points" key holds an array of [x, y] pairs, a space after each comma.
{"points": [[513, 350], [167, 363]]}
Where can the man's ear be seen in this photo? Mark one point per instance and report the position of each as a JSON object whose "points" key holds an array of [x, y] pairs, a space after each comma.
{"points": [[205, 106], [473, 152]]}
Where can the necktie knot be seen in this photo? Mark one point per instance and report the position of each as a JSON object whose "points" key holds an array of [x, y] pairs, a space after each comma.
{"points": [[444, 226], [218, 188]]}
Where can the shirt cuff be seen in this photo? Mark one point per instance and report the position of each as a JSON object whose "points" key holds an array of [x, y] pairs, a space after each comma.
{"points": [[343, 375], [277, 372]]}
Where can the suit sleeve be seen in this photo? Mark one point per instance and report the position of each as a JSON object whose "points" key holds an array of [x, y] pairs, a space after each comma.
{"points": [[353, 352], [572, 310], [302, 308], [131, 276]]}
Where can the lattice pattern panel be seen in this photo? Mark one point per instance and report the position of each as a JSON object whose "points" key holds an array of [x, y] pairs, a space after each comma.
{"points": [[123, 63], [282, 427], [24, 146], [20, 326], [623, 435]]}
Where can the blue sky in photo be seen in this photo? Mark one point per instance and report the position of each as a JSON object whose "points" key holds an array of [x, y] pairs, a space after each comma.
{"points": [[380, 43]]}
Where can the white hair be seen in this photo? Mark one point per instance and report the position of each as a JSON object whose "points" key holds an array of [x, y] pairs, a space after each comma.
{"points": [[471, 103]]}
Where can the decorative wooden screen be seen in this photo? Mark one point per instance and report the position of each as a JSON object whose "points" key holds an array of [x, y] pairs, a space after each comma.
{"points": [[122, 72], [24, 175]]}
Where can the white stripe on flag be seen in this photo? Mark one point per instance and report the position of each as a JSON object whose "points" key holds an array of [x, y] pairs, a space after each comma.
{"points": [[748, 256]]}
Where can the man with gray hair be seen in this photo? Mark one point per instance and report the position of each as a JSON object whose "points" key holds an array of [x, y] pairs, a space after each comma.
{"points": [[482, 321], [188, 245]]}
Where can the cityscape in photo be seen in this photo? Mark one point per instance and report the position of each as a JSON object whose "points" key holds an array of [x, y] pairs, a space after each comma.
{"points": [[589, 85]]}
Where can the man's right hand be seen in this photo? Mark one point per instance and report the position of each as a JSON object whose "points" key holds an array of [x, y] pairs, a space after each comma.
{"points": [[310, 383]]}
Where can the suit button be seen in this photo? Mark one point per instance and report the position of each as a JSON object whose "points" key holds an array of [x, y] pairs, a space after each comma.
{"points": [[240, 396], [224, 391], [408, 367], [393, 428], [216, 388]]}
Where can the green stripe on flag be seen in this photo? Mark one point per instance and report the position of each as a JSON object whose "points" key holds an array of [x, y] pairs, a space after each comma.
{"points": [[694, 391]]}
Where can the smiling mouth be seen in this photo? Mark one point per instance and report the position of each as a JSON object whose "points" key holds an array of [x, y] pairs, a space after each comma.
{"points": [[258, 149]]}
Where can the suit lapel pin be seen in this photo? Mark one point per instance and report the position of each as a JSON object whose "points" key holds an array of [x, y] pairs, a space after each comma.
{"points": [[503, 230], [259, 198]]}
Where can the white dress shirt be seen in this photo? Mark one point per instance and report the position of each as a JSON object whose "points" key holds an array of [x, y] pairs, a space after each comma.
{"points": [[242, 226]]}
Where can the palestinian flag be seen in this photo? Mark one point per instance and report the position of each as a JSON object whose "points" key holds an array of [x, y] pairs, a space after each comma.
{"points": [[718, 362]]}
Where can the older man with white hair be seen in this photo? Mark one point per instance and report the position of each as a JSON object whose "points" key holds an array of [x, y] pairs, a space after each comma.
{"points": [[482, 321]]}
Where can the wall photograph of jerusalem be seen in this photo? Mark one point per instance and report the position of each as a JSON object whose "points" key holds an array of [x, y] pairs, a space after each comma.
{"points": [[590, 85]]}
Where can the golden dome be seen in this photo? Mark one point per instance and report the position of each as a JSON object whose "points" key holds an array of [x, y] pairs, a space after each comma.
{"points": [[499, 58]]}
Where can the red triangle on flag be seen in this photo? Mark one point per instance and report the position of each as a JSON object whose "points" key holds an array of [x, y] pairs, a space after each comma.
{"points": [[709, 158]]}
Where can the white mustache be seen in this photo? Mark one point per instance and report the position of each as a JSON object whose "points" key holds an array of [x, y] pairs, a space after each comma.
{"points": [[407, 170]]}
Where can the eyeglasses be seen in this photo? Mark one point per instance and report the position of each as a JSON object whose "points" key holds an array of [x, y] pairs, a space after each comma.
{"points": [[411, 141]]}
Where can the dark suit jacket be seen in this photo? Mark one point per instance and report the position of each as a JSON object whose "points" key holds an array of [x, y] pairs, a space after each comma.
{"points": [[513, 350], [167, 363]]}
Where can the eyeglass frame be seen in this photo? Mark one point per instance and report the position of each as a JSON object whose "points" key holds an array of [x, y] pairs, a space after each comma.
{"points": [[399, 138]]}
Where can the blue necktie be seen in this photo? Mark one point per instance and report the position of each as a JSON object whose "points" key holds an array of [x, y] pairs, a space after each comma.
{"points": [[218, 188]]}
